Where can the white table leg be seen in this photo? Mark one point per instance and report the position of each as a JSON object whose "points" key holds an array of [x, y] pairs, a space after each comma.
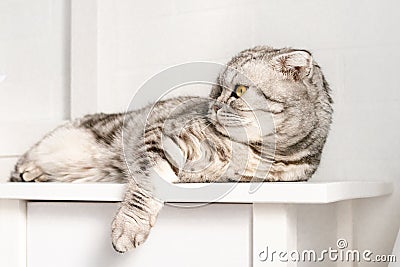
{"points": [[274, 233], [344, 227], [12, 233]]}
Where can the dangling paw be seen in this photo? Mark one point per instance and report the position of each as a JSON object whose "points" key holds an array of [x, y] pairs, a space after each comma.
{"points": [[129, 230], [132, 224]]}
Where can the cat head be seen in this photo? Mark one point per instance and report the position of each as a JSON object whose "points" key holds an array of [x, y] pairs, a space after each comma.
{"points": [[279, 93]]}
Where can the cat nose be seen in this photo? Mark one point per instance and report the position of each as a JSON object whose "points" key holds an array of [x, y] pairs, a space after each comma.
{"points": [[216, 107]]}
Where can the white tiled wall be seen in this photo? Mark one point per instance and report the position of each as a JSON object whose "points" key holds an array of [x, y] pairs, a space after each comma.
{"points": [[143, 40], [34, 60]]}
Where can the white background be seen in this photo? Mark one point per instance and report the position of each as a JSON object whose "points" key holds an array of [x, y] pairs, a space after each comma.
{"points": [[62, 59]]}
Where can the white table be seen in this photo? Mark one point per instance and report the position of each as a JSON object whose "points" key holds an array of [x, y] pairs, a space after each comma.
{"points": [[50, 224]]}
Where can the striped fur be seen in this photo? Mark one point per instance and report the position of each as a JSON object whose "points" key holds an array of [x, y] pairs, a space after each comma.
{"points": [[274, 132]]}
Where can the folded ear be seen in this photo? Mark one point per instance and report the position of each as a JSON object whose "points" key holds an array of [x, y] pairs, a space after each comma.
{"points": [[296, 64]]}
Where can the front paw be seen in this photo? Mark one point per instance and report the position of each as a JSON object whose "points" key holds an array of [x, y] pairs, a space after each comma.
{"points": [[129, 230]]}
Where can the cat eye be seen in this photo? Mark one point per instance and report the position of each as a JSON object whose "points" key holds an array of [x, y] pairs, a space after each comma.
{"points": [[240, 90]]}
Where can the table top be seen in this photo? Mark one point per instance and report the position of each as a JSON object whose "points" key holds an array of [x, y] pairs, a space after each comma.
{"points": [[276, 192]]}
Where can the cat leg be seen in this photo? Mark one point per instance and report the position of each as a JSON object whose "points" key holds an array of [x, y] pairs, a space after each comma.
{"points": [[135, 217], [67, 154]]}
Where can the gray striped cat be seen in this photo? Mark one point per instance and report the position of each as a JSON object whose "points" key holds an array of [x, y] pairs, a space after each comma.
{"points": [[267, 119]]}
